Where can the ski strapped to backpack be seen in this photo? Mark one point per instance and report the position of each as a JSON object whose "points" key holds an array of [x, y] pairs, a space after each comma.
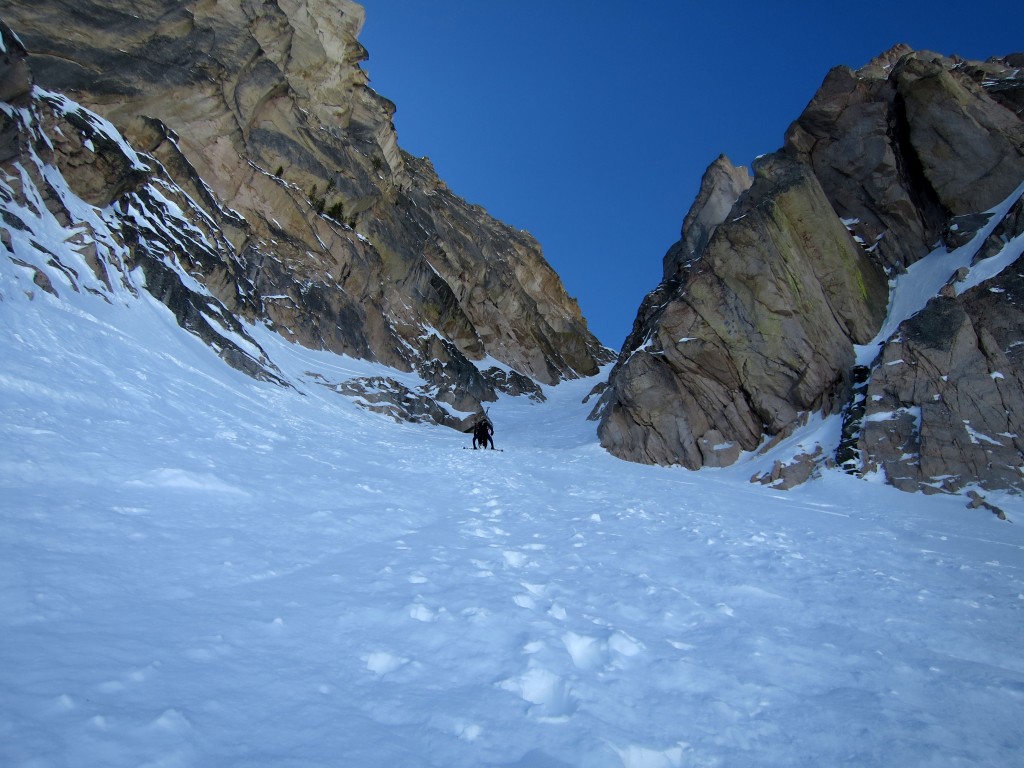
{"points": [[483, 431]]}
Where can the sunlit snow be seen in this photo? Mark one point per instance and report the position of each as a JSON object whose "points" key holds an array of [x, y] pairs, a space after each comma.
{"points": [[198, 569]]}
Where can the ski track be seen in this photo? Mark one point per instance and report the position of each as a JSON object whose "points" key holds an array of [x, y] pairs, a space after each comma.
{"points": [[198, 569]]}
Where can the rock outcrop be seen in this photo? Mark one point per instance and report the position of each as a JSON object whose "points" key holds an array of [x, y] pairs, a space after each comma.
{"points": [[771, 289], [907, 142], [260, 118], [760, 329], [944, 405]]}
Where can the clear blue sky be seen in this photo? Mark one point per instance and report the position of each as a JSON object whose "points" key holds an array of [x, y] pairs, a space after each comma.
{"points": [[589, 124]]}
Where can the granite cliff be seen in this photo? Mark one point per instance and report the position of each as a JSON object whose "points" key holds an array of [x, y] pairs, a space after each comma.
{"points": [[260, 181], [772, 303]]}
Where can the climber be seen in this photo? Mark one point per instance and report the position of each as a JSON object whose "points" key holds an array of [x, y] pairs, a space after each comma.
{"points": [[483, 432]]}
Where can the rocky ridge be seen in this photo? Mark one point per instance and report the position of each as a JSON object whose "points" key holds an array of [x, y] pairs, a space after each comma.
{"points": [[267, 186], [780, 280]]}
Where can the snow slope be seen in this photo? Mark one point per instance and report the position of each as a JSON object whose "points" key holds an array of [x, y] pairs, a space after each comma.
{"points": [[198, 569]]}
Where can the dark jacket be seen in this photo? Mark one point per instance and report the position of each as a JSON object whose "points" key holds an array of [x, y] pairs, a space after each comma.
{"points": [[482, 432]]}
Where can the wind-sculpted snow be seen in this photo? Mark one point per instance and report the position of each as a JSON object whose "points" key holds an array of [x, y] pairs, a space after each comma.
{"points": [[198, 568]]}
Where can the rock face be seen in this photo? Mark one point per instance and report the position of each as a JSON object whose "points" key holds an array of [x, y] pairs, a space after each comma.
{"points": [[944, 404], [760, 328], [776, 281], [316, 223], [905, 143]]}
